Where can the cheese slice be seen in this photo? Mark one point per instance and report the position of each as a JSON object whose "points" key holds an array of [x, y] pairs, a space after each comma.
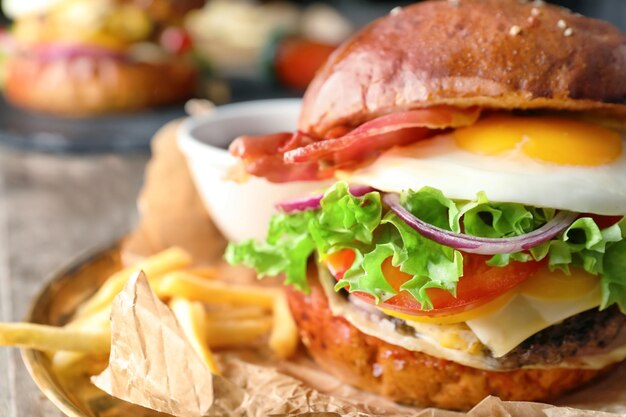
{"points": [[547, 298], [526, 315]]}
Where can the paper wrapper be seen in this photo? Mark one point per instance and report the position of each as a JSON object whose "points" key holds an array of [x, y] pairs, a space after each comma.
{"points": [[171, 211], [152, 364]]}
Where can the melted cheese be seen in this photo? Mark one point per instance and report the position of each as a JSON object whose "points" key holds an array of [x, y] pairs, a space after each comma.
{"points": [[526, 315], [545, 299], [463, 317]]}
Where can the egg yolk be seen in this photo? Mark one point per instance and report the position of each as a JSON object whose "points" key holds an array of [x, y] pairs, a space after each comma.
{"points": [[549, 139]]}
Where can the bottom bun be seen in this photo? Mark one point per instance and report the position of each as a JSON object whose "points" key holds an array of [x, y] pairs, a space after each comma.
{"points": [[89, 86], [415, 378]]}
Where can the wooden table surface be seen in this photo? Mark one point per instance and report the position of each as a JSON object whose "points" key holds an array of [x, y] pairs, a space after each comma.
{"points": [[52, 208]]}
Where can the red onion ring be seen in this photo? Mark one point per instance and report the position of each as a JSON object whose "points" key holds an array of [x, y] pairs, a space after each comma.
{"points": [[482, 245], [313, 202]]}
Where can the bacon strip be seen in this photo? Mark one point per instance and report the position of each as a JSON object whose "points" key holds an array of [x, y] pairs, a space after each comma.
{"points": [[262, 157], [283, 157], [251, 147], [376, 134]]}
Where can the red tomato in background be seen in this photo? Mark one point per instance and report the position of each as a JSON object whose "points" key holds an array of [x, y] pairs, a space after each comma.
{"points": [[176, 40], [297, 60], [479, 284]]}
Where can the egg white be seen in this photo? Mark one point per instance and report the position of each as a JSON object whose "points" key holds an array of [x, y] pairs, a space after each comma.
{"points": [[511, 177]]}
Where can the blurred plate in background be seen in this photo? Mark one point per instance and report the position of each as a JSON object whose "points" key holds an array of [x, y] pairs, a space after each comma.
{"points": [[110, 133], [124, 132]]}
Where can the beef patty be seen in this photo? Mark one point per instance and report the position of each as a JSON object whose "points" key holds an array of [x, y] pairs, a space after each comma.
{"points": [[581, 334]]}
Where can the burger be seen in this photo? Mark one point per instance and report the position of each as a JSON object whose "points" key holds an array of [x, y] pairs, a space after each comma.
{"points": [[88, 57], [473, 243]]}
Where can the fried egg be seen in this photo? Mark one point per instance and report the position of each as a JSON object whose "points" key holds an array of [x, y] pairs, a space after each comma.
{"points": [[538, 161]]}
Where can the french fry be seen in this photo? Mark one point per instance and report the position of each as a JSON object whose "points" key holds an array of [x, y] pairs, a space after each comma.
{"points": [[191, 317], [236, 313], [185, 285], [237, 316], [74, 364], [155, 267], [64, 360], [97, 319], [284, 336], [51, 338], [204, 272], [237, 333]]}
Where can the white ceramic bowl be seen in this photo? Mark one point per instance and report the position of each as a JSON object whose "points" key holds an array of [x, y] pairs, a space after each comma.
{"points": [[240, 211]]}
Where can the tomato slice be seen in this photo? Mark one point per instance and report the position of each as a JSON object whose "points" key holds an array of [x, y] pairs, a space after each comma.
{"points": [[603, 221], [479, 284]]}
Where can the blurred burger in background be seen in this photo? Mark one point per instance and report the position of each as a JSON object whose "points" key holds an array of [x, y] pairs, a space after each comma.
{"points": [[88, 57], [287, 44]]}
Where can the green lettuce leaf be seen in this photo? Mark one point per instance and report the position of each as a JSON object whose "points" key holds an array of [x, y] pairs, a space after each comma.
{"points": [[345, 219], [359, 224], [366, 274], [583, 245], [431, 206], [286, 250], [431, 265], [613, 280]]}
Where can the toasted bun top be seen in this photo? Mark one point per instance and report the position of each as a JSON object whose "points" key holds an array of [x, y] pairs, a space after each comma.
{"points": [[502, 54]]}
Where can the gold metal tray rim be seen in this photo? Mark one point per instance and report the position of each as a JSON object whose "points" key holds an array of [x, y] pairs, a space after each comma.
{"points": [[41, 376]]}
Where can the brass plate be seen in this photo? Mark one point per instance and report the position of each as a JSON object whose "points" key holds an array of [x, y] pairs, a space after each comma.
{"points": [[72, 393]]}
